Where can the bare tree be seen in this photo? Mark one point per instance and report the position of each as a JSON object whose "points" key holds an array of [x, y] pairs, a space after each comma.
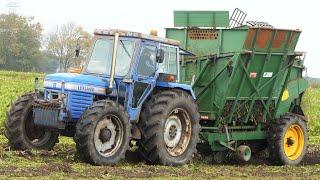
{"points": [[62, 43]]}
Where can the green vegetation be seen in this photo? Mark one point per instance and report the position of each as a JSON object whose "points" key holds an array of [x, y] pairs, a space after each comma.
{"points": [[311, 107], [63, 161], [12, 85]]}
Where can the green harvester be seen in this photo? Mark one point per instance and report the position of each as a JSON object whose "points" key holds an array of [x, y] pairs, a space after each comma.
{"points": [[248, 84]]}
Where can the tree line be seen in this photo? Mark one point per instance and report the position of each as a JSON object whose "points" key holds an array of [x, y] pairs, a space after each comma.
{"points": [[24, 46]]}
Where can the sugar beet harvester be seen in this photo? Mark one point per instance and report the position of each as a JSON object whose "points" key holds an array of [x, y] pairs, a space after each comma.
{"points": [[248, 85], [246, 91]]}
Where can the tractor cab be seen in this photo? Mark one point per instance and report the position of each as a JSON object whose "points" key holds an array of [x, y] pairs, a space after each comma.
{"points": [[118, 53]]}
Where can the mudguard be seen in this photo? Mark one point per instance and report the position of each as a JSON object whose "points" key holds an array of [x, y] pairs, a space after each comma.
{"points": [[185, 87]]}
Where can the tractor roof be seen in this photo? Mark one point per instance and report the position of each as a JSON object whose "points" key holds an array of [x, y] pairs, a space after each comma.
{"points": [[124, 33]]}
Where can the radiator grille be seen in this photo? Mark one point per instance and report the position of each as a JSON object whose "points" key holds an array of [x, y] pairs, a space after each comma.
{"points": [[78, 102]]}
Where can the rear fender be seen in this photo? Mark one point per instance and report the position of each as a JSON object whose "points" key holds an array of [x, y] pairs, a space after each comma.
{"points": [[185, 87]]}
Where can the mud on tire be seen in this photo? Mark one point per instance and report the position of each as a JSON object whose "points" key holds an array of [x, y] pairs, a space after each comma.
{"points": [[21, 132], [161, 114], [288, 140], [103, 133]]}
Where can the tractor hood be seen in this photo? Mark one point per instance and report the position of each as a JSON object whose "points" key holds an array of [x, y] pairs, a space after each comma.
{"points": [[77, 82]]}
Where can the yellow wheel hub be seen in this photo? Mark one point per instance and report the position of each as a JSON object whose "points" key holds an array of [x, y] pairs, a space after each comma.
{"points": [[293, 142]]}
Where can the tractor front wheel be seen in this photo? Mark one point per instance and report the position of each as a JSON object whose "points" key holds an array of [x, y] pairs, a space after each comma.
{"points": [[169, 127], [21, 131], [103, 133], [288, 140]]}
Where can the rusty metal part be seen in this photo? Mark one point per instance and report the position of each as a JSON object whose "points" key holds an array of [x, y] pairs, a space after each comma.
{"points": [[55, 103], [249, 39], [202, 34], [279, 39], [109, 145], [263, 37], [177, 132], [293, 36]]}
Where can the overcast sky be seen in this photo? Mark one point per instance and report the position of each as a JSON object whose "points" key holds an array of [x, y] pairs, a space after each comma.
{"points": [[141, 16]]}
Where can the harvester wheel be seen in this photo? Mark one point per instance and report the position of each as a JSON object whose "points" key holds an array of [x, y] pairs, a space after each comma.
{"points": [[288, 140], [243, 153], [103, 133], [169, 127], [21, 131]]}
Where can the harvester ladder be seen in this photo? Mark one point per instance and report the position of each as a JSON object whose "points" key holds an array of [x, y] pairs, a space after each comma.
{"points": [[237, 18]]}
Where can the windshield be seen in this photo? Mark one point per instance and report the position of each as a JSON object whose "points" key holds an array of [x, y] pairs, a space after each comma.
{"points": [[101, 57]]}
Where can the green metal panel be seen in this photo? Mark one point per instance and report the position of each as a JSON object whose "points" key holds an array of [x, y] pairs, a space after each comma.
{"points": [[293, 89], [241, 65], [214, 138], [209, 41], [239, 77], [237, 136], [201, 18]]}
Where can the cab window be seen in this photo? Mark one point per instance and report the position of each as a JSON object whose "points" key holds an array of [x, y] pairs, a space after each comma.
{"points": [[169, 65], [146, 65]]}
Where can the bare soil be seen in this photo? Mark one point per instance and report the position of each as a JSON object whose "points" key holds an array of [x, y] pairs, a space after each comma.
{"points": [[63, 163]]}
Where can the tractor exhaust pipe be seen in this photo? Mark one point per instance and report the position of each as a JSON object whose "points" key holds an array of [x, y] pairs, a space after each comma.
{"points": [[114, 57]]}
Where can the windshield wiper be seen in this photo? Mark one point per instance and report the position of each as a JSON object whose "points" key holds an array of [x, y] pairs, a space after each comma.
{"points": [[125, 49]]}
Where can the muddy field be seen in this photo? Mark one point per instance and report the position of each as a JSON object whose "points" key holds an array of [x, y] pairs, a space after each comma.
{"points": [[63, 163]]}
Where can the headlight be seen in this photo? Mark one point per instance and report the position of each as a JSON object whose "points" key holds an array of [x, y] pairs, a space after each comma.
{"points": [[52, 84]]}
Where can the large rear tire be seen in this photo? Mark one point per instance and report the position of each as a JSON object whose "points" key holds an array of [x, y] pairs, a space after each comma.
{"points": [[21, 131], [288, 140], [103, 133], [169, 127]]}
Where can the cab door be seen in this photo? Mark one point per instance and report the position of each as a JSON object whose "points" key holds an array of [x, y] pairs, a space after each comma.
{"points": [[144, 79]]}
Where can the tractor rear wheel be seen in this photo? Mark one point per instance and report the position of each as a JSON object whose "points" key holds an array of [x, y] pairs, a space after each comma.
{"points": [[169, 127], [103, 133], [288, 140], [21, 131]]}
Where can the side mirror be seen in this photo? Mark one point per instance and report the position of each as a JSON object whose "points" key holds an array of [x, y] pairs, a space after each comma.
{"points": [[160, 56], [78, 50]]}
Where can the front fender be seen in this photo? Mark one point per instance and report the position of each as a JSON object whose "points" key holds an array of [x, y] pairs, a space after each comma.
{"points": [[185, 87]]}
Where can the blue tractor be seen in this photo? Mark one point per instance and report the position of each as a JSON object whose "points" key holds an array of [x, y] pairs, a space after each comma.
{"points": [[128, 90]]}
